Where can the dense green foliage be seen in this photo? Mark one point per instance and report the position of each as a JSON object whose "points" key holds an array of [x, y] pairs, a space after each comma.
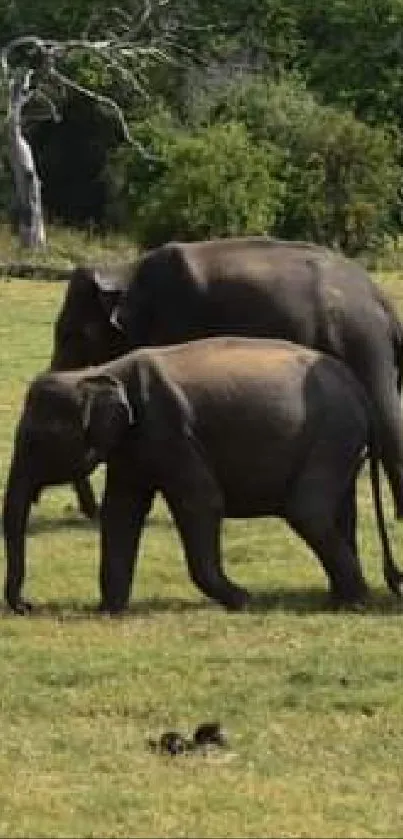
{"points": [[214, 181], [311, 91], [339, 175]]}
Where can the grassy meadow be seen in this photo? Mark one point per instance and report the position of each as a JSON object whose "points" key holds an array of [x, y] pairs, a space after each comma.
{"points": [[312, 700]]}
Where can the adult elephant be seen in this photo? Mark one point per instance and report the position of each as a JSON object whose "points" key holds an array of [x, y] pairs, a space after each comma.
{"points": [[221, 427], [245, 286]]}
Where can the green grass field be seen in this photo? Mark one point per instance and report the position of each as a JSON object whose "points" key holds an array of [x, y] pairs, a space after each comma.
{"points": [[312, 700]]}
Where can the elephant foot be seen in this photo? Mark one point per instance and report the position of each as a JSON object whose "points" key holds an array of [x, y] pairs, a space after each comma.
{"points": [[90, 510], [236, 599], [86, 498], [356, 598], [114, 609], [36, 496], [21, 607]]}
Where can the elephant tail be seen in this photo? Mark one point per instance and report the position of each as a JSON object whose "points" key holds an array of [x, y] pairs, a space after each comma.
{"points": [[393, 576]]}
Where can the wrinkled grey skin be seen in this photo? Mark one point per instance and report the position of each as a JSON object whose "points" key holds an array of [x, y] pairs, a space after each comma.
{"points": [[221, 427], [253, 287]]}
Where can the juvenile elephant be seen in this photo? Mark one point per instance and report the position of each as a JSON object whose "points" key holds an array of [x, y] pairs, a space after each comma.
{"points": [[221, 427], [247, 287]]}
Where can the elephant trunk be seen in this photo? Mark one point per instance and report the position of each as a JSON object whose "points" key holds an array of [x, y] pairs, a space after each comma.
{"points": [[18, 498]]}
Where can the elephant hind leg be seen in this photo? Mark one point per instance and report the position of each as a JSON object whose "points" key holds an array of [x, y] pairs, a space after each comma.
{"points": [[347, 516], [199, 530], [326, 522], [347, 584]]}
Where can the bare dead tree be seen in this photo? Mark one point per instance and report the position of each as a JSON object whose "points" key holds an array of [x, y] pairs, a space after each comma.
{"points": [[26, 180], [38, 69]]}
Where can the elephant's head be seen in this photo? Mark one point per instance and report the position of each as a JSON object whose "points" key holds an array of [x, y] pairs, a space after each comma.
{"points": [[85, 331], [69, 423]]}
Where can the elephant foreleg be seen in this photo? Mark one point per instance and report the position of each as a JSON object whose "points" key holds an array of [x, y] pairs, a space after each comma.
{"points": [[123, 513]]}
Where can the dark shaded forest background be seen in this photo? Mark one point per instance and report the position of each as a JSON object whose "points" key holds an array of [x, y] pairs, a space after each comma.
{"points": [[277, 116]]}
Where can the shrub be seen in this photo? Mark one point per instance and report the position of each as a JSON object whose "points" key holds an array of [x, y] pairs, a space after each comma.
{"points": [[130, 174], [342, 180], [214, 182], [340, 175]]}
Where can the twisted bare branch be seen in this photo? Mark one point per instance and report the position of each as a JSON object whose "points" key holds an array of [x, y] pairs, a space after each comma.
{"points": [[121, 52], [36, 68]]}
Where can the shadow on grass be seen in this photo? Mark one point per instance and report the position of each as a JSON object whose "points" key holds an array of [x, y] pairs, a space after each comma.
{"points": [[298, 602], [71, 520], [314, 600], [65, 610]]}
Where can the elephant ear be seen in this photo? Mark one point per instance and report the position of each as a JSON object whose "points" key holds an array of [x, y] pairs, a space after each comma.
{"points": [[111, 283], [106, 411]]}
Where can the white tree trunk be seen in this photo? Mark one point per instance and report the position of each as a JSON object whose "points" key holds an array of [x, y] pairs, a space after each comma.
{"points": [[29, 211]]}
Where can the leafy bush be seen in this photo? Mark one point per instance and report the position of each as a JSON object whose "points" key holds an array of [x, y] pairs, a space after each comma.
{"points": [[213, 182], [131, 173], [340, 176], [342, 186]]}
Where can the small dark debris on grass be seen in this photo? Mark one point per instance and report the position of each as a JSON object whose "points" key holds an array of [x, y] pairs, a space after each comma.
{"points": [[367, 711], [174, 743]]}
